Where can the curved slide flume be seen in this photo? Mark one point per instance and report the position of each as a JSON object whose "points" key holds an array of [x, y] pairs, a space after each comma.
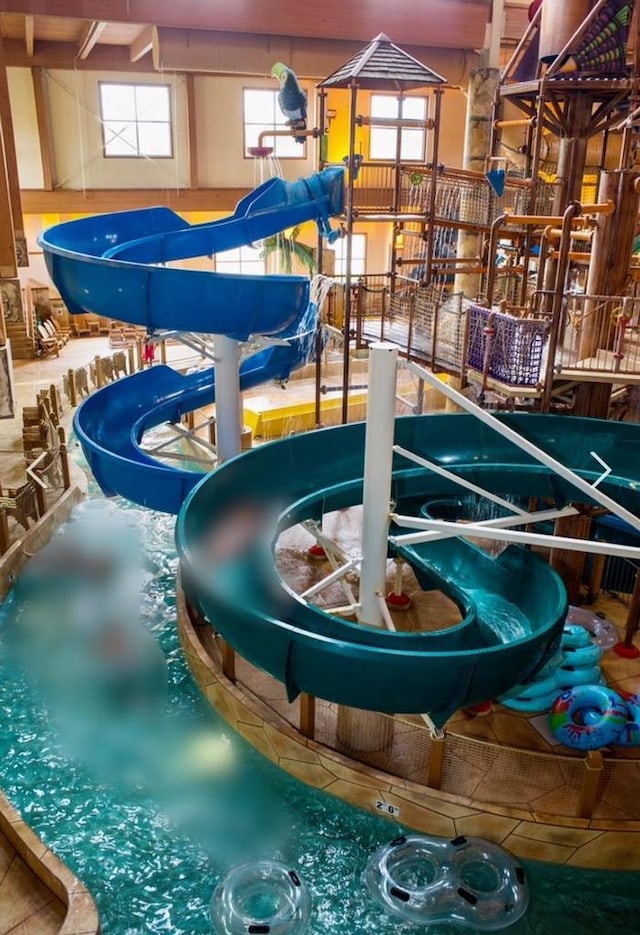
{"points": [[113, 265], [226, 530]]}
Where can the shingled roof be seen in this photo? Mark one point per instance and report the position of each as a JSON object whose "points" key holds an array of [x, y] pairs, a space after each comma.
{"points": [[381, 65]]}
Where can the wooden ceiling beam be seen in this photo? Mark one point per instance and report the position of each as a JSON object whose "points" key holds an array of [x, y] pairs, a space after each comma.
{"points": [[65, 55], [29, 35], [441, 23], [96, 201], [90, 37], [143, 43]]}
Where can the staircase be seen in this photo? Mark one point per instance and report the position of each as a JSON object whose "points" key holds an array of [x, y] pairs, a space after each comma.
{"points": [[23, 346]]}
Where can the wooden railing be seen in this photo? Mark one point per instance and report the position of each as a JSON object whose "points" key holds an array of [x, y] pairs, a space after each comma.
{"points": [[47, 473]]}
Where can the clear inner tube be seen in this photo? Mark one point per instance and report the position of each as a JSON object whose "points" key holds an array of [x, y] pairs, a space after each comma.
{"points": [[426, 880], [603, 632], [264, 898]]}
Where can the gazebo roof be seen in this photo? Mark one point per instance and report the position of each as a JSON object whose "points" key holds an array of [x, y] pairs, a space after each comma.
{"points": [[381, 65]]}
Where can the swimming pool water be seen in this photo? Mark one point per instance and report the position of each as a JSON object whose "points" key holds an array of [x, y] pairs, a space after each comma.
{"points": [[153, 870]]}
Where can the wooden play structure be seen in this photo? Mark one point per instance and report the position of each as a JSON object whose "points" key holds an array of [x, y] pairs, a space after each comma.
{"points": [[519, 280]]}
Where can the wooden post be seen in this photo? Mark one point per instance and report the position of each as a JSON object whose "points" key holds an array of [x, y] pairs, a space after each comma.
{"points": [[64, 459], [41, 500], [570, 565], [132, 358], [191, 132], [593, 766], [53, 397], [163, 352], [11, 164], [4, 528], [228, 660], [73, 393], [436, 762], [595, 578], [633, 618], [45, 129], [610, 254], [308, 715], [98, 366]]}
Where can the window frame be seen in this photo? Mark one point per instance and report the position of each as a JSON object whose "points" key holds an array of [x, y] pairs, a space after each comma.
{"points": [[268, 126], [258, 258], [169, 122], [343, 241], [398, 99]]}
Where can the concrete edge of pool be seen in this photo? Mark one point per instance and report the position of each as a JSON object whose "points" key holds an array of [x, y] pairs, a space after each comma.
{"points": [[579, 842], [39, 886], [36, 886]]}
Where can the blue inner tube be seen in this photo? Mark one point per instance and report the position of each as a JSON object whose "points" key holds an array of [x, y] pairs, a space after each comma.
{"points": [[264, 898], [426, 880], [630, 735], [588, 717]]}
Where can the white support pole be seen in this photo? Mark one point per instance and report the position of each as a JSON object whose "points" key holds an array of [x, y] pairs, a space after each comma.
{"points": [[228, 398], [330, 579], [480, 530], [378, 459], [593, 493], [502, 522]]}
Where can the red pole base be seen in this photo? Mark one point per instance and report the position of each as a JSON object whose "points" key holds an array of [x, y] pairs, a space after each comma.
{"points": [[626, 652], [316, 552], [400, 601], [479, 710]]}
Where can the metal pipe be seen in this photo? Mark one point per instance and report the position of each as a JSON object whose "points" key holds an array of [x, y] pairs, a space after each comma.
{"points": [[525, 38], [573, 209], [399, 122], [346, 329], [503, 124], [493, 247], [432, 193], [268, 134]]}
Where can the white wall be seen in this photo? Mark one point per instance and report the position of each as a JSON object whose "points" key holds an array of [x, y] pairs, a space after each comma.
{"points": [[77, 135], [220, 135], [25, 127]]}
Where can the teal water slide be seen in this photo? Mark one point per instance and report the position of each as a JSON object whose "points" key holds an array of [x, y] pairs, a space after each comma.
{"points": [[513, 607]]}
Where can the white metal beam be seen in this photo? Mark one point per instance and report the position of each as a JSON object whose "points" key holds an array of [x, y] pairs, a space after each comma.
{"points": [[511, 435], [478, 530], [468, 485]]}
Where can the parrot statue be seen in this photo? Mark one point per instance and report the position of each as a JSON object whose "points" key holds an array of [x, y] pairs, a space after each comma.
{"points": [[291, 98]]}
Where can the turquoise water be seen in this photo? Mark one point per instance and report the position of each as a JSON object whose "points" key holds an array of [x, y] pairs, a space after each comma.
{"points": [[152, 860]]}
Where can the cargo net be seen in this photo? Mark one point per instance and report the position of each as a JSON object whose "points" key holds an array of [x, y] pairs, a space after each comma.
{"points": [[398, 321], [469, 199], [439, 326], [516, 349], [458, 198]]}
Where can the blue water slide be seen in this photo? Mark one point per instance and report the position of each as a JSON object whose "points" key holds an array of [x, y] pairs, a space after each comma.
{"points": [[113, 265], [110, 424]]}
